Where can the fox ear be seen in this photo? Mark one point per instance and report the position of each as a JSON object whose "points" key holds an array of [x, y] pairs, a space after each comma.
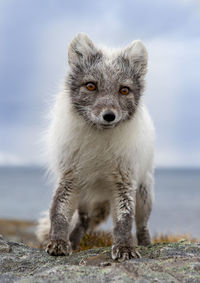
{"points": [[137, 56], [81, 48]]}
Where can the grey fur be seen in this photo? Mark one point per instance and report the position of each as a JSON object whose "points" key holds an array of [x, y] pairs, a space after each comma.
{"points": [[79, 230], [123, 212], [61, 212], [144, 204], [87, 223], [109, 76]]}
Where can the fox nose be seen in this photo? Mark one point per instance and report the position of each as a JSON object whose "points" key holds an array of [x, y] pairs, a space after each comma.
{"points": [[109, 116]]}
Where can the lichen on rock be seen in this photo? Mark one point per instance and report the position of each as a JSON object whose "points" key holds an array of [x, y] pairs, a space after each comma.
{"points": [[171, 262]]}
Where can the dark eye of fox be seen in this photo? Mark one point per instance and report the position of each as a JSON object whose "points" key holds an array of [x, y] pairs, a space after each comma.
{"points": [[91, 86], [124, 90]]}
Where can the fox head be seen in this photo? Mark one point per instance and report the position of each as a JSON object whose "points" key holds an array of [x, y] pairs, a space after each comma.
{"points": [[105, 87]]}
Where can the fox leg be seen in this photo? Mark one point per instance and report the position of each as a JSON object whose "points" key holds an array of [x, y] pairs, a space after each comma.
{"points": [[123, 211], [144, 201], [80, 228], [100, 212], [88, 221], [61, 212]]}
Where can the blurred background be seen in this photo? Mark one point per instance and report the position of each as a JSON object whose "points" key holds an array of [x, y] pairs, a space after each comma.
{"points": [[34, 36]]}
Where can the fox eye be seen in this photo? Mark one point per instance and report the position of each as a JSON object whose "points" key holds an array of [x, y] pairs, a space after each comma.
{"points": [[91, 86], [124, 90]]}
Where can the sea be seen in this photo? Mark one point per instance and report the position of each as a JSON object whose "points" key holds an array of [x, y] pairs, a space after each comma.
{"points": [[25, 193]]}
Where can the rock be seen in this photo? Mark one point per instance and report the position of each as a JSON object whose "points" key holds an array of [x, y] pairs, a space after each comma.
{"points": [[175, 262], [4, 247], [197, 267]]}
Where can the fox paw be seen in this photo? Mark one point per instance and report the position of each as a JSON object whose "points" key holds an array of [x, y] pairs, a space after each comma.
{"points": [[122, 253], [59, 247]]}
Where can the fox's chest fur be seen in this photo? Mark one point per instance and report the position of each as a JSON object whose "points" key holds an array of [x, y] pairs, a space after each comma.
{"points": [[95, 156]]}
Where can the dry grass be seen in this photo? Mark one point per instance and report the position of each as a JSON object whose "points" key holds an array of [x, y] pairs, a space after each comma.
{"points": [[162, 238], [104, 239], [23, 231], [96, 240], [12, 227]]}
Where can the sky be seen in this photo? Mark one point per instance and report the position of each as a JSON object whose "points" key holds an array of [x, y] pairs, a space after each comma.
{"points": [[35, 35]]}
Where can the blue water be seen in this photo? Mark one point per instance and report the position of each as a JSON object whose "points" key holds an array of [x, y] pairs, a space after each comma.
{"points": [[24, 193]]}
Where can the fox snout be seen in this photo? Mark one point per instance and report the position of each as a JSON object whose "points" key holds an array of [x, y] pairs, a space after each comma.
{"points": [[106, 117], [109, 116], [106, 112]]}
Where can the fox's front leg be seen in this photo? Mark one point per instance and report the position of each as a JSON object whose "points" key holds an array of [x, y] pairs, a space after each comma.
{"points": [[62, 209], [123, 211]]}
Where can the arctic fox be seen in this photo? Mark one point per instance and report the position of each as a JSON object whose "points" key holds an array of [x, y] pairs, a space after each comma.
{"points": [[101, 146]]}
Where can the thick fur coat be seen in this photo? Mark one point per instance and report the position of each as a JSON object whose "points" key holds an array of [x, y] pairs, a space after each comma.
{"points": [[101, 148]]}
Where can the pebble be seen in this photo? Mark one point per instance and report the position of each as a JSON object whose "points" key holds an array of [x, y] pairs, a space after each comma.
{"points": [[197, 267], [4, 247], [106, 263]]}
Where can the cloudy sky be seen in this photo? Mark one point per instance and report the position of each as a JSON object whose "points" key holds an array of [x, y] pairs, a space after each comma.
{"points": [[33, 60]]}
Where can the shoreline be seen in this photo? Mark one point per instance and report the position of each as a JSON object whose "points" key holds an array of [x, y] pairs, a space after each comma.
{"points": [[23, 231], [19, 231]]}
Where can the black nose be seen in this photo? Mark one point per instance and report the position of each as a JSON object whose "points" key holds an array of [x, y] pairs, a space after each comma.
{"points": [[109, 116]]}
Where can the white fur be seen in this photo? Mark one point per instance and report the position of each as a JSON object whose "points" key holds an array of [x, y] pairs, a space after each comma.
{"points": [[95, 153]]}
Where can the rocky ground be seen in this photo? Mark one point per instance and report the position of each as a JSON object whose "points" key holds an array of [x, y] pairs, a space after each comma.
{"points": [[26, 262], [175, 262]]}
